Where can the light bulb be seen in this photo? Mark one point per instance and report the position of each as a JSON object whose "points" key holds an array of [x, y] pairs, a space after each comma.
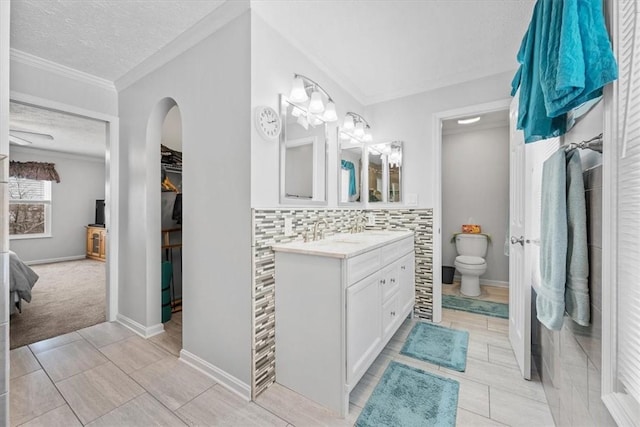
{"points": [[344, 136], [330, 114], [359, 131], [298, 92], [296, 112], [367, 137], [315, 105], [348, 122], [354, 141]]}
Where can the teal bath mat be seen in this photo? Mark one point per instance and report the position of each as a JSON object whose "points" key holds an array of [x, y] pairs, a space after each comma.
{"points": [[488, 308], [436, 344], [407, 396]]}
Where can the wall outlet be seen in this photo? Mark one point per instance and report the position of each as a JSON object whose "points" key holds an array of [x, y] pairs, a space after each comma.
{"points": [[371, 218], [288, 226], [412, 199]]}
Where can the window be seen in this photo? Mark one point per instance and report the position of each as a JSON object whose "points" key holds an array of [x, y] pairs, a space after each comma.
{"points": [[29, 208]]}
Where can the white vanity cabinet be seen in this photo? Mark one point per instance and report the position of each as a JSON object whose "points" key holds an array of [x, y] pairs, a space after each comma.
{"points": [[338, 302]]}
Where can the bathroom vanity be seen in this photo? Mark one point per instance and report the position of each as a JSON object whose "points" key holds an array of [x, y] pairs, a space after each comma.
{"points": [[338, 302]]}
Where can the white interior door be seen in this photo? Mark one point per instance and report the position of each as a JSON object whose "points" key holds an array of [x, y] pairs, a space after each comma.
{"points": [[519, 287]]}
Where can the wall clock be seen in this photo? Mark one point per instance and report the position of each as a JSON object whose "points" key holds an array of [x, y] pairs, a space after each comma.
{"points": [[268, 123]]}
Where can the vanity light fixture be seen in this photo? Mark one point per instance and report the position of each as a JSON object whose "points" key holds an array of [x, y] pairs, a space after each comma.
{"points": [[469, 121], [301, 88], [356, 128]]}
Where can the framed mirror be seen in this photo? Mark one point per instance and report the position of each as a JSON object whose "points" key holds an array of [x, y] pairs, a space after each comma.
{"points": [[303, 155], [349, 172], [384, 172]]}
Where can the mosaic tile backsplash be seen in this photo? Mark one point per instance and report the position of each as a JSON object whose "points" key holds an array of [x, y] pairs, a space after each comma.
{"points": [[268, 229]]}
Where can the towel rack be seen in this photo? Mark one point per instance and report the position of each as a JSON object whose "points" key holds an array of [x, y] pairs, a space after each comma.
{"points": [[594, 144]]}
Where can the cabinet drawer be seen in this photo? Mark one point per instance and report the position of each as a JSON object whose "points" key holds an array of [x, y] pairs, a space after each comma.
{"points": [[362, 265], [395, 250], [390, 315]]}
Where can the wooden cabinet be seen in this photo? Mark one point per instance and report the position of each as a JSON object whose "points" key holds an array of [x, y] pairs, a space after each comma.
{"points": [[96, 243], [334, 315]]}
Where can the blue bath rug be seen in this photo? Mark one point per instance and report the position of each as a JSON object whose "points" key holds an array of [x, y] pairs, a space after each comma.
{"points": [[409, 397], [488, 308], [436, 344]]}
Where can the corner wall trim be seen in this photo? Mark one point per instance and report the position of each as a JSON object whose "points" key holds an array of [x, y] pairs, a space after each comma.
{"points": [[143, 331], [225, 379]]}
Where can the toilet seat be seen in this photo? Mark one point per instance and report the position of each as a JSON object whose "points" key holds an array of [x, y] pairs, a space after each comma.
{"points": [[470, 260]]}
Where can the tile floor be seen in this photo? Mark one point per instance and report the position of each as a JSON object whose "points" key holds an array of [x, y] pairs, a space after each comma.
{"points": [[488, 292], [107, 376]]}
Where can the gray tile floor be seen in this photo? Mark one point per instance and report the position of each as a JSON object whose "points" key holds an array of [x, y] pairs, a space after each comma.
{"points": [[107, 376]]}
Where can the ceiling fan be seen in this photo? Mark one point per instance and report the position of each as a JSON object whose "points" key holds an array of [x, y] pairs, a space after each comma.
{"points": [[24, 137]]}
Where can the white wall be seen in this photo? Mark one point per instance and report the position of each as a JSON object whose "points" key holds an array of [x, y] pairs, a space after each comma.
{"points": [[73, 204], [211, 84], [274, 60], [410, 120], [475, 183]]}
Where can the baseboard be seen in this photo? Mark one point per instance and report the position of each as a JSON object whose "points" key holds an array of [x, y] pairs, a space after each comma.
{"points": [[223, 378], [143, 331], [496, 283], [52, 260]]}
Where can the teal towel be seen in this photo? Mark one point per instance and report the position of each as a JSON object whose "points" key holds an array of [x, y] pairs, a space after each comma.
{"points": [[578, 59], [565, 60], [553, 242], [577, 284], [532, 114], [347, 165]]}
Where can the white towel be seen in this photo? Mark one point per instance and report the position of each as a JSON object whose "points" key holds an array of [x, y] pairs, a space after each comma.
{"points": [[577, 287], [553, 242]]}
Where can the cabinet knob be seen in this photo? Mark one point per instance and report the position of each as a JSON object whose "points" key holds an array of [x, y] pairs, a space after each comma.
{"points": [[383, 281], [393, 280], [393, 313], [403, 267]]}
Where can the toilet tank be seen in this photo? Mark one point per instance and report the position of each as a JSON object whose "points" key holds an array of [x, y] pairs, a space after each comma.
{"points": [[471, 245]]}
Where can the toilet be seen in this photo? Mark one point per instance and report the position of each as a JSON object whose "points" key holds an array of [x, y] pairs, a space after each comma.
{"points": [[470, 261]]}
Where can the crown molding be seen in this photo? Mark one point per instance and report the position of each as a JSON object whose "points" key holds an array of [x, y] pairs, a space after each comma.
{"points": [[59, 69], [215, 20]]}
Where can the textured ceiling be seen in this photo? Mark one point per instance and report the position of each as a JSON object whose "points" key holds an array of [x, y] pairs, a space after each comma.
{"points": [[384, 49], [105, 38], [71, 134]]}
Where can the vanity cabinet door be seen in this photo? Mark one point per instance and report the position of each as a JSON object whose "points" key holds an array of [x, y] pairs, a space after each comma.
{"points": [[390, 316], [363, 326], [407, 291]]}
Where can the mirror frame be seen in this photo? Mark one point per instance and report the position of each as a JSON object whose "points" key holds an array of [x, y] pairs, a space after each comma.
{"points": [[365, 167], [284, 200], [339, 169]]}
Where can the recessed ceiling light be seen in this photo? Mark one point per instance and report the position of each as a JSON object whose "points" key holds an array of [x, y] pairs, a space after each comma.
{"points": [[469, 120]]}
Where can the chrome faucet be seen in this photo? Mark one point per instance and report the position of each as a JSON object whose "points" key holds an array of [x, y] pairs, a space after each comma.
{"points": [[358, 223], [315, 228]]}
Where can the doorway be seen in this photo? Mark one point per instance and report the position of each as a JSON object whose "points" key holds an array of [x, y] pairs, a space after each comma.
{"points": [[56, 223], [475, 212], [110, 189]]}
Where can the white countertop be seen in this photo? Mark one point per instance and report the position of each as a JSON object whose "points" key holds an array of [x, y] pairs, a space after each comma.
{"points": [[344, 245]]}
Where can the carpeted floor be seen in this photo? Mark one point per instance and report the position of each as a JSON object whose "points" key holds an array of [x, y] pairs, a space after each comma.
{"points": [[68, 296]]}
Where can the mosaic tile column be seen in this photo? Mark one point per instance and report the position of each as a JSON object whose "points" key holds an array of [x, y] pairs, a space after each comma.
{"points": [[268, 229]]}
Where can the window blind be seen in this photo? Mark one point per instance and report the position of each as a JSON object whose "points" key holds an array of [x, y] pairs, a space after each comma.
{"points": [[628, 200]]}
